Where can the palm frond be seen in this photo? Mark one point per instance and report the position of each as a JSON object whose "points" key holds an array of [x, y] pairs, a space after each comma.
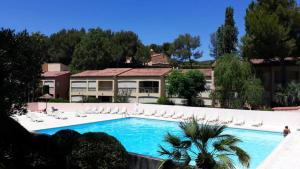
{"points": [[243, 157], [173, 140], [224, 162]]}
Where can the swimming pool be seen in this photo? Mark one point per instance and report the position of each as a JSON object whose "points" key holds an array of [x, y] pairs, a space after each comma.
{"points": [[143, 136]]}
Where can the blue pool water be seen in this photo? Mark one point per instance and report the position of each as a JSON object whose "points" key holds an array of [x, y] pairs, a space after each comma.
{"points": [[143, 136]]}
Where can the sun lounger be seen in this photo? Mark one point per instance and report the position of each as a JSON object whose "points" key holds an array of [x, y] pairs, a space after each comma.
{"points": [[257, 124], [33, 117], [100, 110], [60, 115], [151, 113], [107, 110], [227, 120], [239, 122], [200, 117], [123, 111], [160, 113], [80, 114], [115, 110], [187, 116], [213, 119], [140, 112], [178, 116], [169, 114]]}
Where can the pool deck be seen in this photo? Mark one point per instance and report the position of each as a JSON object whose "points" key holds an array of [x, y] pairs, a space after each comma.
{"points": [[283, 157]]}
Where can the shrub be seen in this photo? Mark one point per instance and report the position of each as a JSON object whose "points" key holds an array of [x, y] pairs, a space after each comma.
{"points": [[59, 100], [65, 140], [98, 151], [165, 101]]}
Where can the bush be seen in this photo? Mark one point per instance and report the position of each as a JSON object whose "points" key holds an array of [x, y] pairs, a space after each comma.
{"points": [[65, 140], [59, 100], [165, 101], [288, 96], [98, 151]]}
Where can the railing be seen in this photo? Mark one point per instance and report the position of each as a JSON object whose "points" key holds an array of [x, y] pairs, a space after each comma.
{"points": [[91, 89], [105, 88], [73, 89], [127, 91], [148, 90]]}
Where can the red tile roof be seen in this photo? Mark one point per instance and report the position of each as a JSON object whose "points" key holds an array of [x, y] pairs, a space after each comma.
{"points": [[54, 73], [146, 72], [206, 72], [261, 61], [109, 72], [159, 58], [286, 108]]}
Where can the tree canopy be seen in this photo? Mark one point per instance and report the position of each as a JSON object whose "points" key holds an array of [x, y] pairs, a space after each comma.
{"points": [[187, 85], [232, 80], [186, 48], [225, 40]]}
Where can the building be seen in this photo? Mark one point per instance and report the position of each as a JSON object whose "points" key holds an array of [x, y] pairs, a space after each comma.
{"points": [[269, 71], [138, 85], [56, 76], [158, 60], [144, 85]]}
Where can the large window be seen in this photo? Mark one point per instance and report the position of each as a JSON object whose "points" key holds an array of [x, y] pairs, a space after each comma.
{"points": [[51, 85], [105, 85], [78, 86], [148, 87], [127, 87], [92, 86]]}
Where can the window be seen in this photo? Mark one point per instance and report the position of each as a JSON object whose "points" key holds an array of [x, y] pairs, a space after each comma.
{"points": [[105, 86], [148, 87], [78, 86], [92, 86]]}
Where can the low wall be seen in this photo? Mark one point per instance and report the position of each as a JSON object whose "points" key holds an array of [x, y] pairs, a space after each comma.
{"points": [[71, 107], [137, 161]]}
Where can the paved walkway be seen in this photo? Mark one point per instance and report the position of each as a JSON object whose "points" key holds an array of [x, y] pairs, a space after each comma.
{"points": [[286, 155]]}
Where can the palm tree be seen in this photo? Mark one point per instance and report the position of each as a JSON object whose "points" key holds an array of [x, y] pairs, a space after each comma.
{"points": [[207, 145]]}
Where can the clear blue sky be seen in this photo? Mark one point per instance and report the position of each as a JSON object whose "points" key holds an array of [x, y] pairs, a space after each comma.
{"points": [[155, 21]]}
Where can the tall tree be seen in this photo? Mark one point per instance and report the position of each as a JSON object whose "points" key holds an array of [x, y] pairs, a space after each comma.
{"points": [[187, 85], [272, 31], [186, 48], [225, 40], [62, 45]]}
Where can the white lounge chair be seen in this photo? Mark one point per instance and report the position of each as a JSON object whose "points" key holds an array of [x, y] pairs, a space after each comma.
{"points": [[107, 110], [100, 110], [123, 111], [115, 110], [80, 114], [178, 116], [213, 119], [258, 123], [92, 111], [226, 120], [151, 113], [60, 115], [187, 116], [140, 112], [200, 117], [169, 114], [160, 113], [34, 117], [239, 122]]}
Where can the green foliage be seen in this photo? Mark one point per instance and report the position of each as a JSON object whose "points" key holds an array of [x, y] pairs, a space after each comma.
{"points": [[253, 92], [164, 100], [62, 45], [288, 96], [90, 100], [98, 151], [122, 96], [187, 85], [234, 83], [197, 140], [185, 48], [59, 100], [225, 39]]}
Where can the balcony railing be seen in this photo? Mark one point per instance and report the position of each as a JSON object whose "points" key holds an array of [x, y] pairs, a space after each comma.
{"points": [[105, 88], [73, 89], [148, 90]]}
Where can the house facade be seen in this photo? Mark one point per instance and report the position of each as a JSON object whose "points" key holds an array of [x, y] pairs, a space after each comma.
{"points": [[269, 71], [138, 85], [56, 76]]}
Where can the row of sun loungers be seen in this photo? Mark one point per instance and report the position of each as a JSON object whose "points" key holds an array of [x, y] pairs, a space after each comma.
{"points": [[200, 117]]}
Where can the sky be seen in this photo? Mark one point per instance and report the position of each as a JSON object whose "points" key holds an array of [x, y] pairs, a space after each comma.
{"points": [[155, 21]]}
